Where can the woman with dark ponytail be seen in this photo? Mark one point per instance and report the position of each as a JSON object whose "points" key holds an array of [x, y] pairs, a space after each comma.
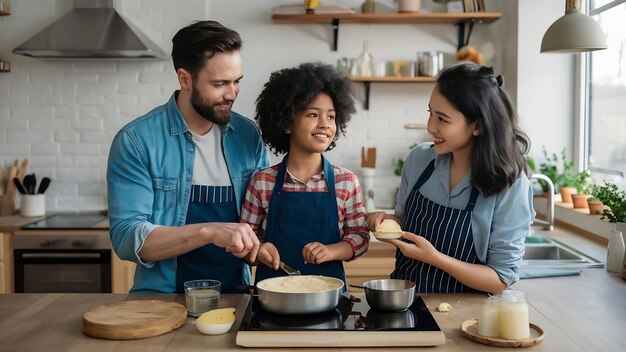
{"points": [[465, 202]]}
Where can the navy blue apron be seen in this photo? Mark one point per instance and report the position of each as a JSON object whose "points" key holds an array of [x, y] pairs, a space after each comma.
{"points": [[298, 218], [210, 204], [448, 229]]}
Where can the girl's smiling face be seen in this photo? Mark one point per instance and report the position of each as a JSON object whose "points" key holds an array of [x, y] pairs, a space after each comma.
{"points": [[449, 127], [313, 128]]}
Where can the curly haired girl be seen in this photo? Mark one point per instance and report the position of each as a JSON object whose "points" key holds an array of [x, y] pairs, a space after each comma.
{"points": [[308, 212]]}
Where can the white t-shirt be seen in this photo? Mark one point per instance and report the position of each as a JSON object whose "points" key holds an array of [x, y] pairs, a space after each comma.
{"points": [[209, 166]]}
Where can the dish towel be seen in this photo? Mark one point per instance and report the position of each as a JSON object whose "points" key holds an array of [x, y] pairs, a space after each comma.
{"points": [[531, 273]]}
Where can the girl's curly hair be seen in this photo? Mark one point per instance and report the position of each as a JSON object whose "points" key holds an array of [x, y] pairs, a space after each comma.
{"points": [[292, 89]]}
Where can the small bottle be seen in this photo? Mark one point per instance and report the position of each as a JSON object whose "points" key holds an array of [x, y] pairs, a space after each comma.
{"points": [[365, 62], [488, 323], [513, 316], [615, 253]]}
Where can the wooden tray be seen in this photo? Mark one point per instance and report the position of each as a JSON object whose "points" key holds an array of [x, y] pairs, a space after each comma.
{"points": [[133, 319], [469, 329]]}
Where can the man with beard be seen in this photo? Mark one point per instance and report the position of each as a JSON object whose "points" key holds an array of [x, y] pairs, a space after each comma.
{"points": [[177, 175]]}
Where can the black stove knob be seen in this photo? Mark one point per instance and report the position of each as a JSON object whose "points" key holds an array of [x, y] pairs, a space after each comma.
{"points": [[48, 243], [77, 243]]}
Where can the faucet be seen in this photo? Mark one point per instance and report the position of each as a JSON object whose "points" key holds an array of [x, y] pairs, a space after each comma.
{"points": [[549, 222]]}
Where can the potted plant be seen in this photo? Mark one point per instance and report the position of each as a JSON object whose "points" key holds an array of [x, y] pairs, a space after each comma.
{"points": [[615, 200], [561, 172], [594, 203], [581, 183]]}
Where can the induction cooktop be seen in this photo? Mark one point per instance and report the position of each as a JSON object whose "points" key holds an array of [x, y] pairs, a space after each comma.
{"points": [[351, 324], [66, 222]]}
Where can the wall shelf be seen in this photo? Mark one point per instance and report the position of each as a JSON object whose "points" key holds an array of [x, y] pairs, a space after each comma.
{"points": [[368, 80], [5, 10], [462, 20]]}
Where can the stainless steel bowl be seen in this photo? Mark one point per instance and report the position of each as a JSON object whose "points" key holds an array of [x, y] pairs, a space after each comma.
{"points": [[299, 302], [389, 295]]}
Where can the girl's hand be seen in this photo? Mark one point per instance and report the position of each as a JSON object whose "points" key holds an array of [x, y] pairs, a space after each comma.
{"points": [[268, 255], [316, 253], [418, 248], [373, 219]]}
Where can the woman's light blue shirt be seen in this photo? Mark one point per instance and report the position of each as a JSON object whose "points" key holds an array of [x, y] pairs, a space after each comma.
{"points": [[500, 222]]}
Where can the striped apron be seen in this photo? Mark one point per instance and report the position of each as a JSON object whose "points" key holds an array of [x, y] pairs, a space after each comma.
{"points": [[211, 204], [448, 229]]}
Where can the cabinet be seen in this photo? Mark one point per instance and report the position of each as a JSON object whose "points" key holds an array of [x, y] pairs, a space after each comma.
{"points": [[377, 263], [465, 22], [6, 262], [122, 274], [5, 10]]}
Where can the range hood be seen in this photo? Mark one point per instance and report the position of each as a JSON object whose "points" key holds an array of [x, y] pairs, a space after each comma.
{"points": [[92, 30]]}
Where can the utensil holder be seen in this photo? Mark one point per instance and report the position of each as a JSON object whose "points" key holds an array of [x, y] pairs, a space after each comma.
{"points": [[33, 205]]}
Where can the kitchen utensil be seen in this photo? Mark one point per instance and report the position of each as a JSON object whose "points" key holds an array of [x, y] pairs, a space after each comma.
{"points": [[289, 270], [299, 302], [7, 206], [469, 329], [19, 185], [389, 295], [429, 63], [43, 186], [133, 319], [29, 183]]}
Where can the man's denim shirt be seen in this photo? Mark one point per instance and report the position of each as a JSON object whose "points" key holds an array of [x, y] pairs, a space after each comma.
{"points": [[149, 182]]}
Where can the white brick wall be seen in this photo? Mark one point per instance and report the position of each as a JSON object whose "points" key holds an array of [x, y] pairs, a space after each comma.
{"points": [[62, 115]]}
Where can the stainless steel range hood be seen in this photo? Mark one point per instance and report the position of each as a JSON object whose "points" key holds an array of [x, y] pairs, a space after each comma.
{"points": [[92, 30]]}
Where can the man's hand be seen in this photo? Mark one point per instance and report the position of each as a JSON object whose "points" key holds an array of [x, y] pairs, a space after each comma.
{"points": [[237, 238], [268, 255]]}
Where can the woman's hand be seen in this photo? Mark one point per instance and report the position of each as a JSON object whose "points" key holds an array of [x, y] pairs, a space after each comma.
{"points": [[316, 253], [268, 255], [418, 248]]}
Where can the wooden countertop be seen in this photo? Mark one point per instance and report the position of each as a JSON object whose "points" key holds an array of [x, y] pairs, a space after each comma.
{"points": [[577, 313], [583, 313]]}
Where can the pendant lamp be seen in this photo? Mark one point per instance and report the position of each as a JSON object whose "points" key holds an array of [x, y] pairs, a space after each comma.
{"points": [[574, 32]]}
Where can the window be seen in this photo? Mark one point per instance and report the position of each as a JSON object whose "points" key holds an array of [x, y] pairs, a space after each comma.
{"points": [[604, 77]]}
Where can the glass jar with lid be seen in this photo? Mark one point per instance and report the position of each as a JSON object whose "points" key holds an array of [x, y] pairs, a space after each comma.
{"points": [[513, 315]]}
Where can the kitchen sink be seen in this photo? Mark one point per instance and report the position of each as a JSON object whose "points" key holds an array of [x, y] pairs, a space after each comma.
{"points": [[544, 252]]}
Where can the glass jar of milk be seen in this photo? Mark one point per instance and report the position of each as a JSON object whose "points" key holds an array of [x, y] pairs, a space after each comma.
{"points": [[488, 323], [513, 315]]}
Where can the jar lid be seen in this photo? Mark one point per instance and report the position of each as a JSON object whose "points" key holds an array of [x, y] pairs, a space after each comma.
{"points": [[509, 295]]}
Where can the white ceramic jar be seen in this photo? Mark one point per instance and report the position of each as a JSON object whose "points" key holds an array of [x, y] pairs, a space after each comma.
{"points": [[513, 315]]}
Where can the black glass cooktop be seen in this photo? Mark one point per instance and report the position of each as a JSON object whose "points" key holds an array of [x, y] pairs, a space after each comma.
{"points": [[352, 314], [65, 222]]}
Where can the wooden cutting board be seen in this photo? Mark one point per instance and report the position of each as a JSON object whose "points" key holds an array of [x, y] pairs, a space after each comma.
{"points": [[133, 319]]}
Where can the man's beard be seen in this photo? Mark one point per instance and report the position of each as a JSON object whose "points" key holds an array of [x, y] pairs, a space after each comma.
{"points": [[208, 111]]}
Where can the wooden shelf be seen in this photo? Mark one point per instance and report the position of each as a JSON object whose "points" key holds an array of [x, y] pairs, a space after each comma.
{"points": [[392, 79], [415, 126], [418, 17], [460, 19], [367, 81], [5, 9]]}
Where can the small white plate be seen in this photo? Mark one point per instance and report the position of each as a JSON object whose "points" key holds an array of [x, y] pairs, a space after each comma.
{"points": [[387, 235]]}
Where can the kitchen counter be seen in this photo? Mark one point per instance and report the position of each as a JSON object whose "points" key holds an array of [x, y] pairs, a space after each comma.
{"points": [[577, 313]]}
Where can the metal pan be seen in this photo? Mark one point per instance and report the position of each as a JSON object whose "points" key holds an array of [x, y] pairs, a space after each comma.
{"points": [[291, 294]]}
